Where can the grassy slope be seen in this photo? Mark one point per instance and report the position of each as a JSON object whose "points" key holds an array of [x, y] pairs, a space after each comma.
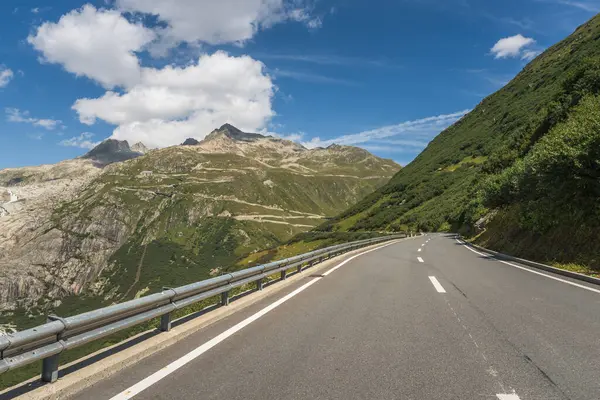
{"points": [[179, 224], [442, 185]]}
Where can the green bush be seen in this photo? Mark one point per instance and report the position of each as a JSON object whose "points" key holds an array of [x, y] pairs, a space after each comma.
{"points": [[560, 177]]}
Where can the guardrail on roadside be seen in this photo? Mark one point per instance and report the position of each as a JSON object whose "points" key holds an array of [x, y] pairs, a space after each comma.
{"points": [[46, 342], [533, 264]]}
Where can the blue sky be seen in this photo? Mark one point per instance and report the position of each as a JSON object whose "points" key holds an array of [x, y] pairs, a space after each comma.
{"points": [[384, 75]]}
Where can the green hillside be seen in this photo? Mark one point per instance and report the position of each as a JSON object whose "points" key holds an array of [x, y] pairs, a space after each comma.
{"points": [[166, 218], [521, 170]]}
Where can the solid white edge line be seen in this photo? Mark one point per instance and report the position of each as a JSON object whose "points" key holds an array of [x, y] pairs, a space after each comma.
{"points": [[530, 270], [437, 285], [354, 256], [198, 351], [420, 259]]}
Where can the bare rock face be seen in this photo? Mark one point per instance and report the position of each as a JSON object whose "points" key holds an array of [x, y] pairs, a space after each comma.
{"points": [[84, 226], [31, 246], [139, 147]]}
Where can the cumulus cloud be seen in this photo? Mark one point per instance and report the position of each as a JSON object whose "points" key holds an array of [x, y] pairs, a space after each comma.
{"points": [[16, 115], [171, 104], [6, 76], [512, 46], [420, 131], [83, 141], [163, 106], [97, 43], [218, 22]]}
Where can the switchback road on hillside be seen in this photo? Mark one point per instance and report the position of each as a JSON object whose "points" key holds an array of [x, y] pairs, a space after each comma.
{"points": [[418, 319]]}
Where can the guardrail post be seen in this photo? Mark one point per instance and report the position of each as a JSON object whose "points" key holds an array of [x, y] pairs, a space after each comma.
{"points": [[225, 298], [299, 268], [284, 275], [165, 322], [259, 284], [50, 364], [50, 369]]}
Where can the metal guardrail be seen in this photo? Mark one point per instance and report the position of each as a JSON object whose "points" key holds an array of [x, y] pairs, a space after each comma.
{"points": [[46, 342]]}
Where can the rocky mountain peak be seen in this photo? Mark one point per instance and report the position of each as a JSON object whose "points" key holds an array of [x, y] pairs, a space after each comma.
{"points": [[112, 150], [233, 133], [190, 142], [230, 129], [109, 145], [140, 147], [346, 149]]}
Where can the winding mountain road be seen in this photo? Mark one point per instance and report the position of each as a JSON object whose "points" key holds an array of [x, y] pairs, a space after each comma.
{"points": [[418, 319]]}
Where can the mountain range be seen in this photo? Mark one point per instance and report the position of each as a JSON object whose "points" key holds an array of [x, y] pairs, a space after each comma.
{"points": [[122, 221]]}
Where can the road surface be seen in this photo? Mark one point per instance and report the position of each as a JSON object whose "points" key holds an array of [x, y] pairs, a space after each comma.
{"points": [[419, 319]]}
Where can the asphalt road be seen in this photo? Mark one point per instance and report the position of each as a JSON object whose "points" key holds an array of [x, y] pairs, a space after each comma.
{"points": [[397, 323]]}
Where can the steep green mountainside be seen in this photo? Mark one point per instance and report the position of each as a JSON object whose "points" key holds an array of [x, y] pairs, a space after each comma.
{"points": [[165, 218], [521, 169]]}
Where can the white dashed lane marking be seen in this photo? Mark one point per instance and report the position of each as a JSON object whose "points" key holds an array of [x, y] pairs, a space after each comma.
{"points": [[437, 285]]}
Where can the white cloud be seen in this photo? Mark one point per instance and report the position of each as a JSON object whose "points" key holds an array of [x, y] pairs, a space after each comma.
{"points": [[217, 22], [511, 46], [35, 10], [585, 5], [171, 104], [96, 43], [6, 76], [16, 115], [35, 136], [590, 6], [329, 59], [294, 137], [313, 78], [529, 55], [421, 130], [83, 141], [387, 149], [418, 142], [161, 107], [314, 23]]}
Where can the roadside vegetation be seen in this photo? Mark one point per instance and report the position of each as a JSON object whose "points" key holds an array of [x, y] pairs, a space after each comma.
{"points": [[520, 173]]}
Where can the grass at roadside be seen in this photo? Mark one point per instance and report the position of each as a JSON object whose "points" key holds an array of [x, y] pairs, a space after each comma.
{"points": [[580, 269]]}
